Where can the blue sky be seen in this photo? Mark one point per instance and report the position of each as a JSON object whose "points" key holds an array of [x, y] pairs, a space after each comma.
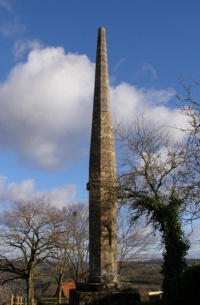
{"points": [[47, 62]]}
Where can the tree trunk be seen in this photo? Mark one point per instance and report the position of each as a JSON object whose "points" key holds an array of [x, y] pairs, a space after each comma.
{"points": [[30, 288], [60, 290]]}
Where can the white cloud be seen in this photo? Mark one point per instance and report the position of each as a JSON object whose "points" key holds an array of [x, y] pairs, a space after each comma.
{"points": [[8, 28], [146, 72], [6, 5], [118, 64], [9, 22], [21, 46], [25, 190], [148, 69], [130, 101], [46, 106]]}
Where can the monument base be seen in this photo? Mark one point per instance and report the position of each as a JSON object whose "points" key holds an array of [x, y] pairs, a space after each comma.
{"points": [[102, 294]]}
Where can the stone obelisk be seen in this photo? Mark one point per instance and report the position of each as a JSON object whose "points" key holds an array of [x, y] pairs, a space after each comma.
{"points": [[102, 177], [101, 287]]}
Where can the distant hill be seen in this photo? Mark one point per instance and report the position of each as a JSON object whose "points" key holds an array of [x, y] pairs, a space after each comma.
{"points": [[147, 271]]}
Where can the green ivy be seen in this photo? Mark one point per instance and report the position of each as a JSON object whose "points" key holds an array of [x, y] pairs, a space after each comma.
{"points": [[175, 250], [165, 217]]}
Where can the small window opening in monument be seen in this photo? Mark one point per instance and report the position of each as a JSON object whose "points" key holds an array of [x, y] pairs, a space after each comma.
{"points": [[109, 235], [75, 213]]}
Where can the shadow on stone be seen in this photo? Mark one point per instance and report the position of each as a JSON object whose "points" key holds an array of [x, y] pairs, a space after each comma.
{"points": [[104, 297]]}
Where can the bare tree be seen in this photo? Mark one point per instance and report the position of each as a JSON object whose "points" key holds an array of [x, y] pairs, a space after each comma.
{"points": [[133, 238], [9, 289], [70, 256], [155, 180], [28, 233], [190, 108], [78, 247], [58, 263]]}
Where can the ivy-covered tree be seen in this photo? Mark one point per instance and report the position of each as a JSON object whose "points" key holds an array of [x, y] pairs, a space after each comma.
{"points": [[155, 181]]}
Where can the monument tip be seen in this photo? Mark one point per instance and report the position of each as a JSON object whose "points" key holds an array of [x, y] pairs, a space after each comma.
{"points": [[101, 29]]}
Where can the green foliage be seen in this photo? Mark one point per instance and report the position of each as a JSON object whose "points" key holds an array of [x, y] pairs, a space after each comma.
{"points": [[158, 182], [176, 247], [165, 217]]}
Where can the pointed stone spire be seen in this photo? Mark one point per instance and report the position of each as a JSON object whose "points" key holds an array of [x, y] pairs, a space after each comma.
{"points": [[102, 177]]}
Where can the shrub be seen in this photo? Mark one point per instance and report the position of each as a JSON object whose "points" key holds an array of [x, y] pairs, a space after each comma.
{"points": [[190, 292]]}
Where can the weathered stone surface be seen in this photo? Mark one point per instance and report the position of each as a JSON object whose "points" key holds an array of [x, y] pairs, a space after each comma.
{"points": [[104, 298], [102, 286], [102, 177]]}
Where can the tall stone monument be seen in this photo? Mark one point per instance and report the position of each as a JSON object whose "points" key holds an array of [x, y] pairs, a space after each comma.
{"points": [[101, 287], [102, 178]]}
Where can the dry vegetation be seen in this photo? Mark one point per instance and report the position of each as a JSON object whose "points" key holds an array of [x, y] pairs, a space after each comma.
{"points": [[144, 276]]}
